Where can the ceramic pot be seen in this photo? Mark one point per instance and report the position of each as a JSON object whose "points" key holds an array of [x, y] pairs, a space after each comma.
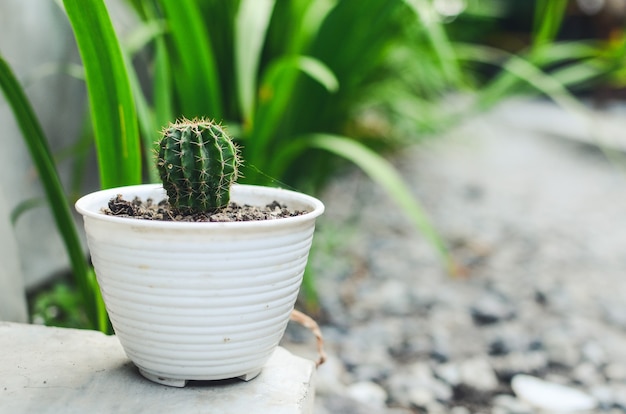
{"points": [[199, 301]]}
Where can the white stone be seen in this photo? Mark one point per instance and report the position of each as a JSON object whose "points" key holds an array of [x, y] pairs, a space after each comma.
{"points": [[421, 397], [329, 378], [478, 374], [56, 370], [594, 353], [510, 404], [368, 393], [615, 371], [551, 396], [450, 373]]}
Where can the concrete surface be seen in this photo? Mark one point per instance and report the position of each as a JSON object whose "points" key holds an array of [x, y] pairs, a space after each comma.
{"points": [[56, 370]]}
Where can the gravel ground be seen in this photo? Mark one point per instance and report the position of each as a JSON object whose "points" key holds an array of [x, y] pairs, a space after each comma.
{"points": [[538, 220]]}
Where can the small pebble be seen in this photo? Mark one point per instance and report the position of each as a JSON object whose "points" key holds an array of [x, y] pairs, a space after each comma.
{"points": [[551, 396], [492, 308], [477, 373], [368, 393]]}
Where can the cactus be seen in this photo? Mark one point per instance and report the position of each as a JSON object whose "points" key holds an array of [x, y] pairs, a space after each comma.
{"points": [[197, 162]]}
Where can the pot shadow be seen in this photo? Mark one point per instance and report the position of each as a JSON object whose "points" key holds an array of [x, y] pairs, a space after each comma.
{"points": [[214, 383], [130, 371]]}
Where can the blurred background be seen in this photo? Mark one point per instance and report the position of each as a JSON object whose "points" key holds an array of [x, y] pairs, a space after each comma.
{"points": [[310, 88], [328, 97], [386, 74]]}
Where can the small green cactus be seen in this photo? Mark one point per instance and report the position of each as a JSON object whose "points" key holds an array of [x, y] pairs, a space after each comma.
{"points": [[197, 162]]}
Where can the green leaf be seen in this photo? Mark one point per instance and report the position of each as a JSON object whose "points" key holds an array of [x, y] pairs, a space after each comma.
{"points": [[275, 93], [143, 34], [25, 206], [438, 39], [516, 69], [318, 71], [547, 20], [313, 13], [252, 21], [162, 86], [197, 74], [146, 121], [110, 97], [37, 144], [381, 172]]}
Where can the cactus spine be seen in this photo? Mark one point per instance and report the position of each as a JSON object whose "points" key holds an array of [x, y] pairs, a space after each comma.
{"points": [[197, 163]]}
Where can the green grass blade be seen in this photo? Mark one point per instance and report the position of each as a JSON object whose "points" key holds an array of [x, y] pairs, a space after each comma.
{"points": [[312, 19], [110, 97], [276, 91], [564, 52], [438, 39], [53, 68], [318, 71], [146, 121], [252, 21], [162, 86], [522, 70], [25, 206], [194, 67], [575, 63], [146, 32], [42, 157], [547, 20], [381, 172], [517, 70]]}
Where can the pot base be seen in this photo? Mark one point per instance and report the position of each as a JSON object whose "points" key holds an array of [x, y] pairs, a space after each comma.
{"points": [[180, 383]]}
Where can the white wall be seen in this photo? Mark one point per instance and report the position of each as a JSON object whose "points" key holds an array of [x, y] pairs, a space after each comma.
{"points": [[12, 298]]}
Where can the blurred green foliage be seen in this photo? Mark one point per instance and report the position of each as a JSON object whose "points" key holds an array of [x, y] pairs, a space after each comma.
{"points": [[275, 71], [59, 305], [306, 85]]}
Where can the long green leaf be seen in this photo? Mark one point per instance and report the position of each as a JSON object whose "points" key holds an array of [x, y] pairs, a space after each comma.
{"points": [[143, 34], [162, 85], [318, 71], [312, 19], [438, 38], [197, 74], [37, 144], [547, 20], [145, 117], [25, 206], [381, 172], [110, 97], [517, 69], [252, 21], [276, 90]]}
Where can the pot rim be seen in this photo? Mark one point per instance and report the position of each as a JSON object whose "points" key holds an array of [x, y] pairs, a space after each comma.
{"points": [[90, 206]]}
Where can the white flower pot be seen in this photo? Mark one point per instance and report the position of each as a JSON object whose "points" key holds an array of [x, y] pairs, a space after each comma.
{"points": [[199, 301]]}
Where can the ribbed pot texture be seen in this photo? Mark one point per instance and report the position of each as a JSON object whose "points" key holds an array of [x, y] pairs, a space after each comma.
{"points": [[199, 301]]}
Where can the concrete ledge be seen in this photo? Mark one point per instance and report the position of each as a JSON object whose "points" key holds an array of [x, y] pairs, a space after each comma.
{"points": [[56, 370]]}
